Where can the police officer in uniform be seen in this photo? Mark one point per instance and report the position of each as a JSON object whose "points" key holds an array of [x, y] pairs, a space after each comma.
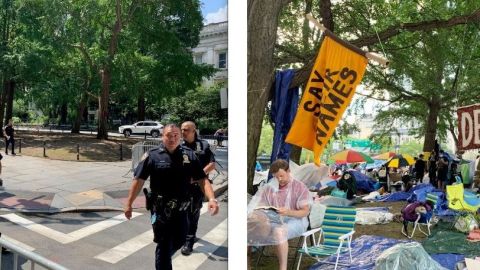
{"points": [[207, 161], [171, 169]]}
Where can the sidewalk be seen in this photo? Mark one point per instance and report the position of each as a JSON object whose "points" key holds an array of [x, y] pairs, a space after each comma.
{"points": [[32, 184]]}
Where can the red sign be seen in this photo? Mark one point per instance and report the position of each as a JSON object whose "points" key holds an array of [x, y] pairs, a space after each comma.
{"points": [[469, 127]]}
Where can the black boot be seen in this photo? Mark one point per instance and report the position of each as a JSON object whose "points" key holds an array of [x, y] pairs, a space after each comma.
{"points": [[187, 249]]}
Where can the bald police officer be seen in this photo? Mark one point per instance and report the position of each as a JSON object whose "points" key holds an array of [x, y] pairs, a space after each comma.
{"points": [[171, 169], [207, 161]]}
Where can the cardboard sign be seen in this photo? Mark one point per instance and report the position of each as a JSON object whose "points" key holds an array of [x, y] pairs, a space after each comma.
{"points": [[469, 127]]}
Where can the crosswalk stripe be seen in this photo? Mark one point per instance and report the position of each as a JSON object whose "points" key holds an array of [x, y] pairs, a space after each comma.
{"points": [[213, 239], [40, 229], [100, 226], [70, 237], [18, 243], [126, 248], [132, 245]]}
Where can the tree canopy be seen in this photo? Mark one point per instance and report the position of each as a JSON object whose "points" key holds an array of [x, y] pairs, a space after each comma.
{"points": [[68, 55]]}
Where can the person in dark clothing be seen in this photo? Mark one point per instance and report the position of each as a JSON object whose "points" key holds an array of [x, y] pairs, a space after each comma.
{"points": [[171, 169], [432, 169], [420, 167], [442, 171], [9, 134], [207, 162]]}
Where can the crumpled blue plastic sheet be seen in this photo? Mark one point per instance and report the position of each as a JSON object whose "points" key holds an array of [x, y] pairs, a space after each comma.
{"points": [[419, 192], [395, 197], [365, 251], [364, 182], [448, 260], [367, 248]]}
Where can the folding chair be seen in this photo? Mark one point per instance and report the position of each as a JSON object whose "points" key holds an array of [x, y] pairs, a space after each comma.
{"points": [[459, 201], [337, 230], [426, 221]]}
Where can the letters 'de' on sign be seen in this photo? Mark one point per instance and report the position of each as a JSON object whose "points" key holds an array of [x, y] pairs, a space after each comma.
{"points": [[336, 73], [469, 127]]}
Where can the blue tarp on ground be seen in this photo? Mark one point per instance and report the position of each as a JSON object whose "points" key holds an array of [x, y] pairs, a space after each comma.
{"points": [[448, 260], [284, 108], [364, 182], [394, 197], [367, 248]]}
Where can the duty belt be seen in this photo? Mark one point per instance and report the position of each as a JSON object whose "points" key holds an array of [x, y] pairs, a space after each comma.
{"points": [[156, 202]]}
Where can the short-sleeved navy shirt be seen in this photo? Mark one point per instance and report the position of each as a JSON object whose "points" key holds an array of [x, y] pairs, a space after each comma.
{"points": [[170, 173], [202, 150]]}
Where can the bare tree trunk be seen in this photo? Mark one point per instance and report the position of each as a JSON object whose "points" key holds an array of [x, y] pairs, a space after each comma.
{"points": [[262, 35], [102, 132], [2, 102], [431, 126], [295, 154], [107, 76], [80, 112], [141, 105], [63, 114], [9, 100]]}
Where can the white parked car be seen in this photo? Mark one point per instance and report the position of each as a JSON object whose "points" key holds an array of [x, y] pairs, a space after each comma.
{"points": [[150, 127]]}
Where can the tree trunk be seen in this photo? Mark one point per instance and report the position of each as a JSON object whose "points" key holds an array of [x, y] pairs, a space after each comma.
{"points": [[431, 126], [63, 114], [262, 35], [9, 100], [80, 112], [141, 105], [3, 102], [102, 132], [295, 154], [106, 75]]}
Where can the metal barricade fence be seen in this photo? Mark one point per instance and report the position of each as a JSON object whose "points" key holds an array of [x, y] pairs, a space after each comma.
{"points": [[139, 149], [32, 256]]}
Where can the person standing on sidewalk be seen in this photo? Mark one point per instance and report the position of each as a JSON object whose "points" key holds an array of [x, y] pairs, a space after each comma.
{"points": [[171, 169], [207, 161], [9, 133]]}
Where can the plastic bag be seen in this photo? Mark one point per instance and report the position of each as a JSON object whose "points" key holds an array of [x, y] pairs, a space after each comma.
{"points": [[466, 223], [409, 256]]}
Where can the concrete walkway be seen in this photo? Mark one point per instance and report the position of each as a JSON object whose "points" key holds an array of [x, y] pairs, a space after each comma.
{"points": [[32, 184]]}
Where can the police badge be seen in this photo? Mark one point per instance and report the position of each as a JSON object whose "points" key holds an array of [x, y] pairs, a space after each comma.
{"points": [[186, 159]]}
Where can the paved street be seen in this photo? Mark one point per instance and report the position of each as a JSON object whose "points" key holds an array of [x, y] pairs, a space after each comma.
{"points": [[106, 240], [38, 198]]}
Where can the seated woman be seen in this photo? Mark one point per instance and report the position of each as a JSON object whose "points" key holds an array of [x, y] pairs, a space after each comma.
{"points": [[278, 212]]}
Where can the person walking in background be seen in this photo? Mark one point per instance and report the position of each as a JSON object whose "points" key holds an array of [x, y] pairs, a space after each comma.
{"points": [[442, 171], [432, 169], [9, 134], [420, 167], [219, 136]]}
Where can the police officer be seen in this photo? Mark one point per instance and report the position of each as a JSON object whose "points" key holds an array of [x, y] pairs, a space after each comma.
{"points": [[207, 161], [171, 169], [8, 133]]}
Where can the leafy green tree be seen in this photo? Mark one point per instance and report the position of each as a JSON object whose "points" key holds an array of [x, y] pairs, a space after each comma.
{"points": [[201, 106]]}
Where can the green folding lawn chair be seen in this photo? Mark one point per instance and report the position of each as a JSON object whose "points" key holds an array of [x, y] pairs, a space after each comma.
{"points": [[333, 237]]}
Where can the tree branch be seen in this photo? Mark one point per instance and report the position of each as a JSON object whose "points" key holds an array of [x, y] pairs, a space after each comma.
{"points": [[417, 26]]}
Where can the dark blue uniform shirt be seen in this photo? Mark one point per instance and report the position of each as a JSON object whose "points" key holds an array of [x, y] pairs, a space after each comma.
{"points": [[170, 173], [202, 150]]}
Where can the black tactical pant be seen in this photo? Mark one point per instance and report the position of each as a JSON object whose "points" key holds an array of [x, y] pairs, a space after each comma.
{"points": [[170, 237], [7, 142], [194, 213]]}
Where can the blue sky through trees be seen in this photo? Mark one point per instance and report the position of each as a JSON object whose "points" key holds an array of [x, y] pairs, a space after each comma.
{"points": [[214, 11]]}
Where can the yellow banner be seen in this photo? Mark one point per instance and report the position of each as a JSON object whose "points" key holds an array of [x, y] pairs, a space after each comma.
{"points": [[330, 88]]}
